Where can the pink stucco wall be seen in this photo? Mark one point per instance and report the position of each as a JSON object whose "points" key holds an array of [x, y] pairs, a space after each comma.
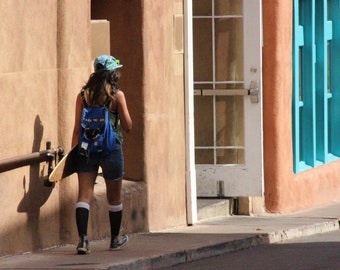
{"points": [[284, 190]]}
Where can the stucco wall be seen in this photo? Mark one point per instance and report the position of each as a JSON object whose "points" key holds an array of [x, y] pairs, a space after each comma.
{"points": [[164, 116], [284, 190], [42, 69]]}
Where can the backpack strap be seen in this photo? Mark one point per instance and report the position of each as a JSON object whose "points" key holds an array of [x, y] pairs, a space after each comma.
{"points": [[116, 115], [82, 94]]}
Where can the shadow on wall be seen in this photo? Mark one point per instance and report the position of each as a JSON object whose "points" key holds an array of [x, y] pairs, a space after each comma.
{"points": [[44, 227], [36, 194]]}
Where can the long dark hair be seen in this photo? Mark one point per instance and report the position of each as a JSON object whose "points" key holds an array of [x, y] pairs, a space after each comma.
{"points": [[101, 85]]}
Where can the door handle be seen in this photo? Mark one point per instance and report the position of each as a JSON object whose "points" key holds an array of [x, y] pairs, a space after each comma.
{"points": [[253, 92]]}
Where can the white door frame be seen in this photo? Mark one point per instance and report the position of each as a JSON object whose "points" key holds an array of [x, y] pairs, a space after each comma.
{"points": [[190, 174], [191, 192]]}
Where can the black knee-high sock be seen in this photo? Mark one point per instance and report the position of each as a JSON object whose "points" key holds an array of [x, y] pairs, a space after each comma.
{"points": [[115, 222], [82, 216]]}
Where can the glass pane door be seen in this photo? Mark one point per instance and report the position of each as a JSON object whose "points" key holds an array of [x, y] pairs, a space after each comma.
{"points": [[218, 64], [221, 102]]}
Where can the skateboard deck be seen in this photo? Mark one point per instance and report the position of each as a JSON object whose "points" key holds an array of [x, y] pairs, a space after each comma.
{"points": [[65, 167]]}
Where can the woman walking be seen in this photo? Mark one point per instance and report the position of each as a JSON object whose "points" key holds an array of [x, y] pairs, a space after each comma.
{"points": [[102, 89]]}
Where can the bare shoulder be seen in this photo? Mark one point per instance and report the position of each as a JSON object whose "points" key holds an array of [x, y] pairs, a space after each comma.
{"points": [[120, 97], [79, 99], [120, 94]]}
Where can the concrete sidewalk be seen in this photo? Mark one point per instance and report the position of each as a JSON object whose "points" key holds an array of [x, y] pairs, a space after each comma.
{"points": [[164, 249]]}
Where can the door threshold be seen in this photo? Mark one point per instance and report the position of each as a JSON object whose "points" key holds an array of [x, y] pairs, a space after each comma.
{"points": [[208, 208]]}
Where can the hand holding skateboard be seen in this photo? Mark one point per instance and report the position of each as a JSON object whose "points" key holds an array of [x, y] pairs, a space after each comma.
{"points": [[65, 166]]}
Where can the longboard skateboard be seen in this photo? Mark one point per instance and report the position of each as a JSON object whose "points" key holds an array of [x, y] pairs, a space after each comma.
{"points": [[65, 167]]}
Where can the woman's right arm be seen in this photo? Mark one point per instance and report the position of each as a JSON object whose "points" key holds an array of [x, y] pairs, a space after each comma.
{"points": [[77, 120]]}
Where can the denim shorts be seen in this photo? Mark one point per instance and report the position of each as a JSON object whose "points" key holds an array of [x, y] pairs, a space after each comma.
{"points": [[111, 164]]}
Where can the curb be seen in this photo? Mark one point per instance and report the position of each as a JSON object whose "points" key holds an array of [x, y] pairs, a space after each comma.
{"points": [[190, 255], [284, 235]]}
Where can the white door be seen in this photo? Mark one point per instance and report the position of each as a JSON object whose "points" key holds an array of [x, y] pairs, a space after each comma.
{"points": [[227, 41]]}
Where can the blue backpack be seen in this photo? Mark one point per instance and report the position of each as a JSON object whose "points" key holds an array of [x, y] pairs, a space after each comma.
{"points": [[97, 137]]}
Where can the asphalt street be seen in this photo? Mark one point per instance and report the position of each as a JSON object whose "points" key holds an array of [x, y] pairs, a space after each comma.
{"points": [[320, 251]]}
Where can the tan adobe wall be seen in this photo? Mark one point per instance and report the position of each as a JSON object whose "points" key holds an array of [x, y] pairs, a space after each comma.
{"points": [[164, 116], [42, 69]]}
